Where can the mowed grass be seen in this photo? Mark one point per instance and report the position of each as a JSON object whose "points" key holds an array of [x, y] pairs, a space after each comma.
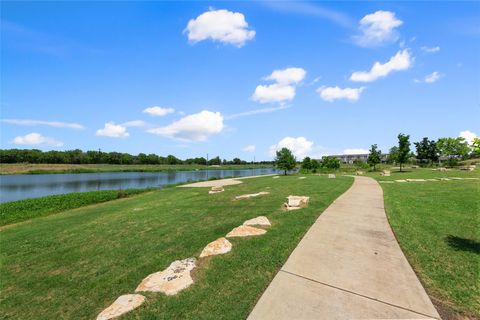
{"points": [[74, 264], [17, 211], [437, 225]]}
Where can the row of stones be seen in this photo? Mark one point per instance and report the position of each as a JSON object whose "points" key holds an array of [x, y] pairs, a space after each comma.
{"points": [[424, 180], [177, 276]]}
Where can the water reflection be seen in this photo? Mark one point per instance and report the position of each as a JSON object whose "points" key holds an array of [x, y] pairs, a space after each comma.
{"points": [[17, 187]]}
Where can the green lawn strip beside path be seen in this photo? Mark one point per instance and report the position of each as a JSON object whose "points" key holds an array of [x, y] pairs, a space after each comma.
{"points": [[17, 211], [75, 264], [437, 225]]}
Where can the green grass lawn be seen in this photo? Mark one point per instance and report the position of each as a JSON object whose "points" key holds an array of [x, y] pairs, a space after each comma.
{"points": [[437, 225], [74, 264], [17, 211]]}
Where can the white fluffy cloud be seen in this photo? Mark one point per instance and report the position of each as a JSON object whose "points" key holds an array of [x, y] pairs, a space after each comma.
{"points": [[194, 127], [430, 49], [250, 148], [158, 111], [220, 25], [432, 77], [400, 61], [468, 136], [113, 130], [135, 123], [336, 93], [355, 151], [56, 124], [300, 146], [283, 89], [378, 28], [287, 76], [36, 139]]}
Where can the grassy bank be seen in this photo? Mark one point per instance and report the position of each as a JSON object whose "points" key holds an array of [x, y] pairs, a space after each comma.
{"points": [[74, 264], [31, 168], [437, 226], [17, 211]]}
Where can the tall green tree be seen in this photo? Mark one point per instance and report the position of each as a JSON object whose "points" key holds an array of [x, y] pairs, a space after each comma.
{"points": [[285, 160], [331, 163], [427, 150], [403, 149], [476, 147], [374, 156], [453, 149], [307, 163], [392, 155]]}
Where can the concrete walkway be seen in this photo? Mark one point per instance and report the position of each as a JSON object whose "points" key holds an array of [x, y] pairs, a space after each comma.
{"points": [[221, 182], [348, 266]]}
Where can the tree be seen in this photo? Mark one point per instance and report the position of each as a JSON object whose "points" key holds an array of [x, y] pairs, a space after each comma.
{"points": [[285, 160], [314, 165], [476, 147], [453, 148], [403, 149], [374, 157], [331, 163], [307, 163], [427, 150], [392, 155]]}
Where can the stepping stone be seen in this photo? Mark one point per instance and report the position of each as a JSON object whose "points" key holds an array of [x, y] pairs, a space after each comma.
{"points": [[359, 173], [416, 180], [445, 179], [245, 231], [456, 178], [252, 195], [258, 221], [401, 180], [219, 246], [301, 178], [385, 173], [471, 178], [122, 305], [171, 280], [385, 181], [431, 179], [331, 176], [296, 202], [276, 177], [216, 190]]}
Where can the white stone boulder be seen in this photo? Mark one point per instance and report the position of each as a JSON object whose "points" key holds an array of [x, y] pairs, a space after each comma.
{"points": [[276, 177], [331, 176], [301, 178], [219, 246], [401, 180], [122, 305], [416, 180], [245, 231], [171, 280], [258, 221], [252, 195], [386, 173], [359, 173], [216, 189], [296, 202]]}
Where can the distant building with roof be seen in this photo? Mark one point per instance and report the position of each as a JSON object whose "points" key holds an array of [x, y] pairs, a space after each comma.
{"points": [[350, 158]]}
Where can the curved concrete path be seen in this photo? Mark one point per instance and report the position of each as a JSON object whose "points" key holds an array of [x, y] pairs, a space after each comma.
{"points": [[348, 266]]}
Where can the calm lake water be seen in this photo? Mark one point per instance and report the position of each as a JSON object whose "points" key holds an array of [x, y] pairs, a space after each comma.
{"points": [[18, 187]]}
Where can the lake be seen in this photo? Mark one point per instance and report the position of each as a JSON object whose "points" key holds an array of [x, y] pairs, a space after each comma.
{"points": [[18, 187]]}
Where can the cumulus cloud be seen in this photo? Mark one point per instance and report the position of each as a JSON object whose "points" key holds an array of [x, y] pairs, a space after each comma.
{"points": [[113, 130], [158, 111], [283, 89], [194, 127], [400, 61], [468, 136], [57, 124], [287, 76], [336, 93], [378, 28], [300, 146], [355, 151], [430, 49], [135, 123], [256, 111], [36, 139], [430, 78], [250, 148], [220, 25]]}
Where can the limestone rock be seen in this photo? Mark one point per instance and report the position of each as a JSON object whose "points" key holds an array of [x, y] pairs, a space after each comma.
{"points": [[386, 173], [331, 176], [401, 180], [122, 305], [219, 246], [252, 195], [456, 178], [276, 177], [216, 189], [431, 179], [415, 180], [258, 221], [385, 181], [245, 231], [359, 173], [171, 280], [445, 179], [301, 178], [296, 202]]}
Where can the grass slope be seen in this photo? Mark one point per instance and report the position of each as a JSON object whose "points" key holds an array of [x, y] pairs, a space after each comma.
{"points": [[437, 225], [17, 211], [74, 264]]}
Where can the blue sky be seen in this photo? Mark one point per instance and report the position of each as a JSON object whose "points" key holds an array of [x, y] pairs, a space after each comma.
{"points": [[237, 78]]}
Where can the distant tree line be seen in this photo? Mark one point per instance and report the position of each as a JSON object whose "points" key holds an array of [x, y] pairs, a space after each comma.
{"points": [[98, 157]]}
